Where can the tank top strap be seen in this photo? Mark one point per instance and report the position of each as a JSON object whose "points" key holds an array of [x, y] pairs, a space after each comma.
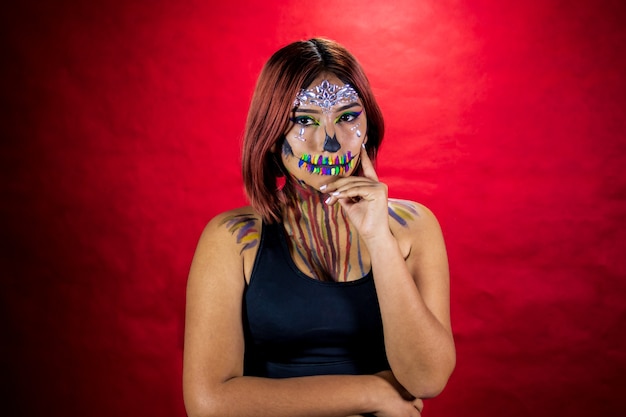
{"points": [[269, 248]]}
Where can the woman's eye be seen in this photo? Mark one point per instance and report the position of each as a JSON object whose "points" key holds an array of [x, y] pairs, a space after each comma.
{"points": [[348, 117], [304, 120]]}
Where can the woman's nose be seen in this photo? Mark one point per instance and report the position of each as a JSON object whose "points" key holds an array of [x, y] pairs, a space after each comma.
{"points": [[331, 144]]}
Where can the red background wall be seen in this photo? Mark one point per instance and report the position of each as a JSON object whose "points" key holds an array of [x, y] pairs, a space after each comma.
{"points": [[121, 125]]}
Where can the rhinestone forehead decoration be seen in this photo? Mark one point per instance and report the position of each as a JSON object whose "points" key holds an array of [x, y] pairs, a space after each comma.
{"points": [[326, 95]]}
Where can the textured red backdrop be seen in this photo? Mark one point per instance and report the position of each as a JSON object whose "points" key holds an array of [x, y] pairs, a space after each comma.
{"points": [[121, 124]]}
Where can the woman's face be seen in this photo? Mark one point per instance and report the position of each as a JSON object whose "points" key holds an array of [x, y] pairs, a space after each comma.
{"points": [[328, 126]]}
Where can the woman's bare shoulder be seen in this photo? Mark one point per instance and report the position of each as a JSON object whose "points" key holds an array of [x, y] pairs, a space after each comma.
{"points": [[240, 227], [408, 214], [410, 220], [233, 238], [239, 215]]}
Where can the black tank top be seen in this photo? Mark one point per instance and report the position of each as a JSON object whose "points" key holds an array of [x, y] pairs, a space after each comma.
{"points": [[295, 325]]}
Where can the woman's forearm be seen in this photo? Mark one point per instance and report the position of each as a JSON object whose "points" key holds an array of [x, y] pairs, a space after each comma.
{"points": [[419, 348], [320, 396]]}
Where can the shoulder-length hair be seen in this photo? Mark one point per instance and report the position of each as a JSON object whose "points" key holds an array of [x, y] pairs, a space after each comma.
{"points": [[289, 70]]}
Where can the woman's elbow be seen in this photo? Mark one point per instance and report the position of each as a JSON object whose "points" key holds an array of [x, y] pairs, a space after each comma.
{"points": [[430, 384], [432, 388], [201, 404]]}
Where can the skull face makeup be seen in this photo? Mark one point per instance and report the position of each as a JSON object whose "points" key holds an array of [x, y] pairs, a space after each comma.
{"points": [[325, 136]]}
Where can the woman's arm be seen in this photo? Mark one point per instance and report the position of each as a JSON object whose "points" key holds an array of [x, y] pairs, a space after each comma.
{"points": [[413, 289], [414, 303], [213, 381]]}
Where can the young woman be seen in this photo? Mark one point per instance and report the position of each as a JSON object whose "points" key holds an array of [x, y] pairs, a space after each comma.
{"points": [[324, 297]]}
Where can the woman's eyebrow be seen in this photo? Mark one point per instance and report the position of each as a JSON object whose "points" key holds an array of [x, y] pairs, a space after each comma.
{"points": [[347, 106], [315, 111]]}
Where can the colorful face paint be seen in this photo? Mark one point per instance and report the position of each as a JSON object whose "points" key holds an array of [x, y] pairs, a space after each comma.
{"points": [[321, 237], [327, 165], [401, 211], [287, 151], [245, 228], [331, 144], [326, 122], [326, 95]]}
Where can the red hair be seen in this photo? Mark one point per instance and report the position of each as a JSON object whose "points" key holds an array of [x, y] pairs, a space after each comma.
{"points": [[289, 70]]}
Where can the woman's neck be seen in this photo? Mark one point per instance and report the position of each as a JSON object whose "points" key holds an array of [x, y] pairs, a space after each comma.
{"points": [[298, 192], [321, 237]]}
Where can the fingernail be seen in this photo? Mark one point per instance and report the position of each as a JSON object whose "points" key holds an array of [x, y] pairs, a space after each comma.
{"points": [[327, 201], [336, 193], [323, 187], [363, 145]]}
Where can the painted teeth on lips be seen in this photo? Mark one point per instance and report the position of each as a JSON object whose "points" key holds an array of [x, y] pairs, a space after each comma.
{"points": [[324, 165], [321, 160]]}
